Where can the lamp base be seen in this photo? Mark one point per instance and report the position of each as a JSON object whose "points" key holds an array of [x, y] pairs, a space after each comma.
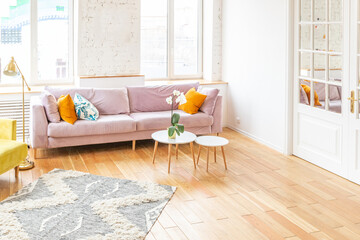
{"points": [[26, 164]]}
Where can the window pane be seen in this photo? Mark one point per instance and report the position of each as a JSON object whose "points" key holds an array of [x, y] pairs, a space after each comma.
{"points": [[305, 62], [305, 10], [335, 68], [335, 10], [335, 98], [335, 37], [53, 49], [305, 36], [185, 37], [320, 37], [319, 66], [15, 38], [320, 10], [154, 38]]}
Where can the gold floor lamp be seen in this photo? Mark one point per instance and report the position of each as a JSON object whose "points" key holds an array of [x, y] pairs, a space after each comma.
{"points": [[12, 70]]}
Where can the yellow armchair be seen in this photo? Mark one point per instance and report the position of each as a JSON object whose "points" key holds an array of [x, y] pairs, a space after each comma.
{"points": [[11, 151]]}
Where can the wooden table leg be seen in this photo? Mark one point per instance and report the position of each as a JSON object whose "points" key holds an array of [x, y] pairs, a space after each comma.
{"points": [[155, 150], [223, 153], [169, 157], [177, 151], [198, 154], [207, 159], [17, 171], [192, 153], [215, 154]]}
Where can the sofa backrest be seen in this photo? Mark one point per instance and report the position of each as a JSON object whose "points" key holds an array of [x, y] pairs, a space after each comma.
{"points": [[153, 98], [107, 101]]}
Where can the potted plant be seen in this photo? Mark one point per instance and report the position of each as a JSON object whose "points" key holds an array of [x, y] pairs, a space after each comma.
{"points": [[175, 127]]}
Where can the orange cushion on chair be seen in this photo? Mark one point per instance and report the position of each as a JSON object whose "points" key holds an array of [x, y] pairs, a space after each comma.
{"points": [[67, 109], [194, 100], [307, 90]]}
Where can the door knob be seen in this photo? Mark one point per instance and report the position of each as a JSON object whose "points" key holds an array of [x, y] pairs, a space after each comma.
{"points": [[352, 101]]}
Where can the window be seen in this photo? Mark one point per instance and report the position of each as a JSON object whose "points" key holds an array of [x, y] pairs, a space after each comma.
{"points": [[43, 26], [171, 39]]}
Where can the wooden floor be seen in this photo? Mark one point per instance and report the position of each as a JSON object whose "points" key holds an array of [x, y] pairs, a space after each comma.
{"points": [[262, 195]]}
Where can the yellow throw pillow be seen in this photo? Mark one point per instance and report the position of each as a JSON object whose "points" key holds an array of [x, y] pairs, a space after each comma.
{"points": [[194, 100], [67, 109], [307, 90]]}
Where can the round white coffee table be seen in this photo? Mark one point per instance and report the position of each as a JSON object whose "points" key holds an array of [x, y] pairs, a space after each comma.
{"points": [[211, 141], [184, 138]]}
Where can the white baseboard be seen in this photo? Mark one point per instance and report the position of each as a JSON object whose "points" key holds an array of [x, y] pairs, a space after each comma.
{"points": [[260, 140]]}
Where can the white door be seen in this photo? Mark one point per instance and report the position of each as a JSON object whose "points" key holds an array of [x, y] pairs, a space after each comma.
{"points": [[354, 121], [322, 84]]}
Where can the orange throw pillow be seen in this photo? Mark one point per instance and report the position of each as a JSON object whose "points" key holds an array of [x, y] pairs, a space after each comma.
{"points": [[194, 100], [307, 90], [67, 109]]}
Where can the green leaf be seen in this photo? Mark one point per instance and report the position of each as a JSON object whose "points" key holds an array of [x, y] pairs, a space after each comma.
{"points": [[171, 131], [177, 131], [175, 119], [181, 127]]}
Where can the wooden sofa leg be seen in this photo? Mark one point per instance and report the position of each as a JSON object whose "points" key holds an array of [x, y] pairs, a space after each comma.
{"points": [[16, 171], [133, 145], [35, 155]]}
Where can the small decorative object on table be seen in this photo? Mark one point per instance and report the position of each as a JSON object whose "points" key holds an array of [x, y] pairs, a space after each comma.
{"points": [[175, 127]]}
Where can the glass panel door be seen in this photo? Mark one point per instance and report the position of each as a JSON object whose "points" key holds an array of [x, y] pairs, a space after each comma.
{"points": [[321, 83]]}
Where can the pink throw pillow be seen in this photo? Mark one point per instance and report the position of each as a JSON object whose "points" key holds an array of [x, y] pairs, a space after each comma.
{"points": [[51, 108], [208, 106]]}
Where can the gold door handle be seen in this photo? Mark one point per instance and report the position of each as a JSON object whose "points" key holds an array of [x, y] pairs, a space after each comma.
{"points": [[352, 101]]}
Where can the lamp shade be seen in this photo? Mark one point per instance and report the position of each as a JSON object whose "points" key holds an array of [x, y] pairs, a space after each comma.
{"points": [[10, 69]]}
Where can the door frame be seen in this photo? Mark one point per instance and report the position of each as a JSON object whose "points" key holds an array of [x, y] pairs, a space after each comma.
{"points": [[289, 76]]}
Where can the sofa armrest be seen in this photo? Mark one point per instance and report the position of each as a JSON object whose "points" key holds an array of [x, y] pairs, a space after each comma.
{"points": [[7, 129], [38, 124], [217, 115]]}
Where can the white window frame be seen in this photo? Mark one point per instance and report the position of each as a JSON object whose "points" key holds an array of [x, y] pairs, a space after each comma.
{"points": [[33, 78], [170, 45]]}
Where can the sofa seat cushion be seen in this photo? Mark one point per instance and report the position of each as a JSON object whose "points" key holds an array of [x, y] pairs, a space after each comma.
{"points": [[161, 120], [106, 124]]}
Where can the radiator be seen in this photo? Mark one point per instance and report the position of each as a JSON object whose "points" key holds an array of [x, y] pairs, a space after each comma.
{"points": [[12, 109]]}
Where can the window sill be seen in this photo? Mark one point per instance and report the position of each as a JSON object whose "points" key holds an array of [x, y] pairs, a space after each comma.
{"points": [[34, 89], [170, 82]]}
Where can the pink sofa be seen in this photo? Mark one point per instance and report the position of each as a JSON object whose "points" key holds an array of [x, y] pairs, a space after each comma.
{"points": [[134, 115]]}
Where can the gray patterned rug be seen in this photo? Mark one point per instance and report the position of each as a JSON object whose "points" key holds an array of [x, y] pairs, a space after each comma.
{"points": [[75, 205]]}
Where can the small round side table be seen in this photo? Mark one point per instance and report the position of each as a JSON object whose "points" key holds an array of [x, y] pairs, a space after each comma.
{"points": [[184, 138], [211, 141]]}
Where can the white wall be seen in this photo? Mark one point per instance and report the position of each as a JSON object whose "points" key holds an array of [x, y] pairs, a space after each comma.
{"points": [[254, 65]]}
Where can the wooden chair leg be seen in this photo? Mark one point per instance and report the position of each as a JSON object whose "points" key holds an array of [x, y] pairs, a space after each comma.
{"points": [[169, 157], [223, 153], [207, 159], [133, 145], [215, 154], [16, 171], [155, 150], [198, 154]]}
